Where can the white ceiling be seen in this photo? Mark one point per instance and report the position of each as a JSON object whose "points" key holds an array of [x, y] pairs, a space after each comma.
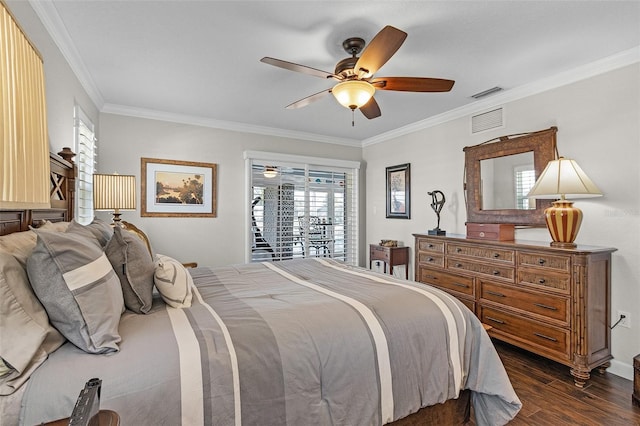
{"points": [[199, 61]]}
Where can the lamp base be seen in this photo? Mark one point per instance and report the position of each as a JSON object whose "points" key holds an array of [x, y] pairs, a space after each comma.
{"points": [[563, 221]]}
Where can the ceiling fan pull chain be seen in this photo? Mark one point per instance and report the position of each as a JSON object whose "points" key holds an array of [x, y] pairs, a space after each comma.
{"points": [[353, 117]]}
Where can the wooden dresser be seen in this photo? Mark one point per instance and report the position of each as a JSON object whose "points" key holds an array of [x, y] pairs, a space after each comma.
{"points": [[552, 301]]}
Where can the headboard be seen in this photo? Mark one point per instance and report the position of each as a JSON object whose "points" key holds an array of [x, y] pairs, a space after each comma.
{"points": [[62, 186]]}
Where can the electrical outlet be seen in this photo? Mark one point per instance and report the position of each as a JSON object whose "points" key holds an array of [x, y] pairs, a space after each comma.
{"points": [[626, 321]]}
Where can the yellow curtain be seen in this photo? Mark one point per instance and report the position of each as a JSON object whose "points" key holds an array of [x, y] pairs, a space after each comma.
{"points": [[24, 155]]}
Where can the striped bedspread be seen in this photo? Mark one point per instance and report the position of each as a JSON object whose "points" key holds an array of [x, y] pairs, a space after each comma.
{"points": [[299, 342]]}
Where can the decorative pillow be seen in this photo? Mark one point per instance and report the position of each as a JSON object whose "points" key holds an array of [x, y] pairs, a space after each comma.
{"points": [[47, 225], [79, 289], [20, 245], [100, 229], [26, 337], [173, 282], [134, 266]]}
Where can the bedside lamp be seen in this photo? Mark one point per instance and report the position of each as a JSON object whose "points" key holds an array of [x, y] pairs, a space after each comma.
{"points": [[563, 179], [114, 193]]}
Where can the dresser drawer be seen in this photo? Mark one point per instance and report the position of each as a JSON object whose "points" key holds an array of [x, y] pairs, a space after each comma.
{"points": [[545, 261], [539, 278], [430, 245], [447, 281], [496, 271], [480, 252], [379, 253], [526, 331], [546, 306], [431, 259]]}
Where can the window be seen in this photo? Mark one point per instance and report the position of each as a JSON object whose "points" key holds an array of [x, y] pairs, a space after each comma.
{"points": [[525, 177], [302, 207], [86, 161]]}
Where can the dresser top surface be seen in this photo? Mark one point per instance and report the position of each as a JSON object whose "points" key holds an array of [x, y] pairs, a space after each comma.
{"points": [[581, 248]]}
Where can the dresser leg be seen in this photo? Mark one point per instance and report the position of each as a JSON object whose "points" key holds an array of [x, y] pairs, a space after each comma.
{"points": [[603, 368], [580, 378]]}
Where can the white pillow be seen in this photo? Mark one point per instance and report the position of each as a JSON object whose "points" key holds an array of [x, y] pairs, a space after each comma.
{"points": [[173, 282]]}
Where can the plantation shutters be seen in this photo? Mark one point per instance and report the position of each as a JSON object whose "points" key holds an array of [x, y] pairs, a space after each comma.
{"points": [[301, 207]]}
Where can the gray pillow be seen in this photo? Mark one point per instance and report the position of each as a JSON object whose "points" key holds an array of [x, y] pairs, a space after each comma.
{"points": [[134, 266], [79, 289], [26, 337], [100, 229]]}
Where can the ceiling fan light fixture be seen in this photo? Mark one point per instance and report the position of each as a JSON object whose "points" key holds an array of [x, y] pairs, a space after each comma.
{"points": [[353, 94], [270, 172]]}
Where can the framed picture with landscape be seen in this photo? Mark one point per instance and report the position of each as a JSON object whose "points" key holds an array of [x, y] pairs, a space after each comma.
{"points": [[399, 191], [173, 188]]}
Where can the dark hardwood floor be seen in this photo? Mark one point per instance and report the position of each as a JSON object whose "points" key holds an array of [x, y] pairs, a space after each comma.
{"points": [[549, 396]]}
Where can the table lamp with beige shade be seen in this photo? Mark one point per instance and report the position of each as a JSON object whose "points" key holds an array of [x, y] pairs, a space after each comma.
{"points": [[563, 179]]}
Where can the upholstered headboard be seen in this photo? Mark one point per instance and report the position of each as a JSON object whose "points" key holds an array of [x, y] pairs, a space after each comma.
{"points": [[62, 185]]}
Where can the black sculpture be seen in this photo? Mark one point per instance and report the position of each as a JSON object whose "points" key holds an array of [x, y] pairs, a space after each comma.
{"points": [[437, 202]]}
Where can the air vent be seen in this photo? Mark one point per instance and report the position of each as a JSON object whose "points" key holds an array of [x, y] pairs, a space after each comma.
{"points": [[487, 120], [487, 92]]}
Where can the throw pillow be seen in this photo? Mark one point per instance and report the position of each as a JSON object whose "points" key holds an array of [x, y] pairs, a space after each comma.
{"points": [[19, 244], [79, 289], [100, 229], [134, 266], [173, 281], [26, 337]]}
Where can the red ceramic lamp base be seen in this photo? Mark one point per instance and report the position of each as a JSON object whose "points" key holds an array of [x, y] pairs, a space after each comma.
{"points": [[563, 222]]}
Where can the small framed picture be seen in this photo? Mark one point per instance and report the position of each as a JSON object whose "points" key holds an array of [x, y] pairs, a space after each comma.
{"points": [[172, 188], [399, 191]]}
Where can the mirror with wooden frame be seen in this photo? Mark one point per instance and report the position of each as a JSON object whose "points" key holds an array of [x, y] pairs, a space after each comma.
{"points": [[500, 172]]}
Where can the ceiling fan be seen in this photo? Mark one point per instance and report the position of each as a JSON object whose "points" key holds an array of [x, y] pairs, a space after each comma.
{"points": [[356, 84]]}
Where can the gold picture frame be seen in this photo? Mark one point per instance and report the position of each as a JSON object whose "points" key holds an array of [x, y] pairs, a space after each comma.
{"points": [[174, 188]]}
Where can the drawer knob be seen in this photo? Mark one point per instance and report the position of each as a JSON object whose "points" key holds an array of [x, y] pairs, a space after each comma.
{"points": [[430, 246], [546, 337], [458, 265], [495, 320], [541, 261], [430, 259], [540, 305], [496, 255], [496, 272], [458, 250], [542, 281]]}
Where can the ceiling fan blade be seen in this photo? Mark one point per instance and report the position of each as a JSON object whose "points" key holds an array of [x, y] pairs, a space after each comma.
{"points": [[379, 50], [371, 109], [308, 100], [299, 68], [412, 84]]}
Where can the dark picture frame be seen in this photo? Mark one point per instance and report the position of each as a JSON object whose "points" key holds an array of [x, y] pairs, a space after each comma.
{"points": [[399, 191], [173, 188]]}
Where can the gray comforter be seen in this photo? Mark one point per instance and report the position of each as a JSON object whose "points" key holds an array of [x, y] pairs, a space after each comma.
{"points": [[300, 342]]}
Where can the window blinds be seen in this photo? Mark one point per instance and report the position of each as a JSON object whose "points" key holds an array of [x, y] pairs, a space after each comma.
{"points": [[300, 209], [86, 160]]}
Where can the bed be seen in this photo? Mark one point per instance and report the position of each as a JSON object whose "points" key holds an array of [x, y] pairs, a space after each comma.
{"points": [[307, 341]]}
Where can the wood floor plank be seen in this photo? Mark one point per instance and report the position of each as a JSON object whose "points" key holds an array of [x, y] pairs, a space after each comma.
{"points": [[549, 396]]}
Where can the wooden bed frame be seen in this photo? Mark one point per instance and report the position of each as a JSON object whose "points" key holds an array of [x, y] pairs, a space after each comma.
{"points": [[452, 412]]}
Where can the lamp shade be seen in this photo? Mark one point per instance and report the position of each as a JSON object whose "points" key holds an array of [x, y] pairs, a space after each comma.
{"points": [[353, 93], [114, 192], [563, 178]]}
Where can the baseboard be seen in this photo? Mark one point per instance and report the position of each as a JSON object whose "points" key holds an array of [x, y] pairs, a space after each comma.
{"points": [[621, 369]]}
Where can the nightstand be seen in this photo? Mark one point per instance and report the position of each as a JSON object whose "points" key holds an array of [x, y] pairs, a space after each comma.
{"points": [[392, 256], [635, 398]]}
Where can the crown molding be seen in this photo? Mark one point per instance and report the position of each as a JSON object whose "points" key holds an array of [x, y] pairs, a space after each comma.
{"points": [[52, 22], [224, 125], [610, 63]]}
